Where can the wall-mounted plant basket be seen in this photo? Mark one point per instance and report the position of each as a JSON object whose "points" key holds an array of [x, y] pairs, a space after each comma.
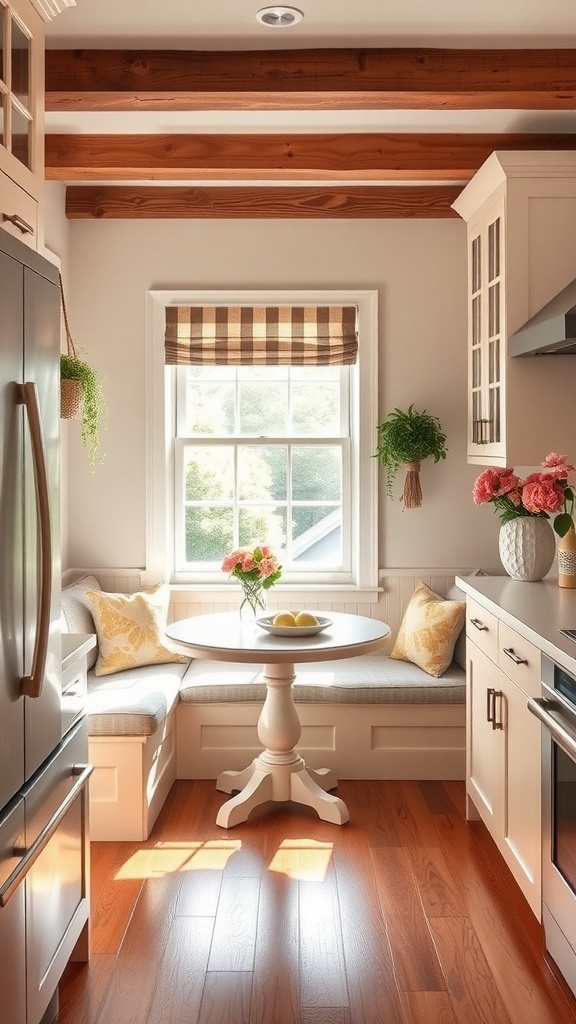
{"points": [[404, 439]]}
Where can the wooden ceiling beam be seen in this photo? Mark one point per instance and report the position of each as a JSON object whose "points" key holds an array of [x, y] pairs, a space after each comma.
{"points": [[141, 202], [316, 79], [367, 157]]}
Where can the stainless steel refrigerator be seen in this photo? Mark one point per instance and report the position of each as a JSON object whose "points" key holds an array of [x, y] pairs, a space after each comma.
{"points": [[43, 747]]}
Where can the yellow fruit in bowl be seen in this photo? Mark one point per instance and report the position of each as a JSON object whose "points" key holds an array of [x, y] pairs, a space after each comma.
{"points": [[306, 619], [284, 619]]}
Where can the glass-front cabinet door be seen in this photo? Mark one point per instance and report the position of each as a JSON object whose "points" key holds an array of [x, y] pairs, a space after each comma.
{"points": [[21, 71], [486, 338]]}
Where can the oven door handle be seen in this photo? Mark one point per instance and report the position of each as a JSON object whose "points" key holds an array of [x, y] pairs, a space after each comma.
{"points": [[562, 734]]}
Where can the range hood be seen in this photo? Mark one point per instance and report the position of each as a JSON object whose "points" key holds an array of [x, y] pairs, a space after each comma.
{"points": [[551, 331]]}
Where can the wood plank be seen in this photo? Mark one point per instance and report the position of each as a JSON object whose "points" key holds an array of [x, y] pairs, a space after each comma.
{"points": [[462, 959], [113, 899], [235, 925], [415, 959], [373, 156], [226, 998], [438, 891], [325, 1015], [180, 979], [83, 988], [372, 990], [315, 79], [428, 1008], [275, 990], [339, 202], [133, 980], [322, 968]]}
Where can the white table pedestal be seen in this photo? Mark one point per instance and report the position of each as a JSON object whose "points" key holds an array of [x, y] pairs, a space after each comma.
{"points": [[279, 773]]}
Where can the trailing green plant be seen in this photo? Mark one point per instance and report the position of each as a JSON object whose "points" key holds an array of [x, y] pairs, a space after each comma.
{"points": [[94, 415], [406, 438]]}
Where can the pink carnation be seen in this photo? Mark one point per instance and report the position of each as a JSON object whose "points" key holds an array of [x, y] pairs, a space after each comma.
{"points": [[248, 563], [552, 460], [231, 560], [267, 567], [494, 483], [540, 493]]}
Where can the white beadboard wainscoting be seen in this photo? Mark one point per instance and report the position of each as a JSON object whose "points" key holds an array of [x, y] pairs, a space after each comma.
{"points": [[394, 592]]}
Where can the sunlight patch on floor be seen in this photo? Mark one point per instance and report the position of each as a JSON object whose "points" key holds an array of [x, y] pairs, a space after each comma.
{"points": [[168, 858], [306, 860]]}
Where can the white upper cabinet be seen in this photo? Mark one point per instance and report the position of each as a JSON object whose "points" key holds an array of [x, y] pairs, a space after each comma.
{"points": [[21, 118], [520, 209]]}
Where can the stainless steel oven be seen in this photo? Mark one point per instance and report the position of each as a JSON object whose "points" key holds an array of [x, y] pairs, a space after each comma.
{"points": [[556, 709]]}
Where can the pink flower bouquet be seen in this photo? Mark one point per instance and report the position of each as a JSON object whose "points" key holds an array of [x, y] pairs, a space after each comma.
{"points": [[256, 569], [543, 494]]}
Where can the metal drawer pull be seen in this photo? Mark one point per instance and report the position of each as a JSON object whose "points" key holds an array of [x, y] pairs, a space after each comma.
{"points": [[479, 624], [490, 704], [19, 223], [564, 737], [510, 653], [30, 855], [491, 695]]}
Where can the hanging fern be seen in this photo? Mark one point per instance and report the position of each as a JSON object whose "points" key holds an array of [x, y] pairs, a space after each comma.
{"points": [[406, 438]]}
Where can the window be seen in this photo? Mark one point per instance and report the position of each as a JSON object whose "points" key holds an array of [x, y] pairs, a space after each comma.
{"points": [[278, 454]]}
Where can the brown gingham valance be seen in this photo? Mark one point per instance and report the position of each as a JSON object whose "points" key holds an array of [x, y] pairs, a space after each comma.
{"points": [[259, 335]]}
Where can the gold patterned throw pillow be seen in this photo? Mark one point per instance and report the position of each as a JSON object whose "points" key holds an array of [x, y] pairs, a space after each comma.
{"points": [[130, 629], [429, 631]]}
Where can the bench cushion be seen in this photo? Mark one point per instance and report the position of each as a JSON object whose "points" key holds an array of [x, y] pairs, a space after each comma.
{"points": [[367, 679], [134, 702]]}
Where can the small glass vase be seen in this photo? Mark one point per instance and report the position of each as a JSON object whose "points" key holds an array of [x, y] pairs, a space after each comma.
{"points": [[254, 599]]}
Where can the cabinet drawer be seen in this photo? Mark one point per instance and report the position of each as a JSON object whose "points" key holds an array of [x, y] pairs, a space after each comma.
{"points": [[18, 212], [520, 660], [482, 628]]}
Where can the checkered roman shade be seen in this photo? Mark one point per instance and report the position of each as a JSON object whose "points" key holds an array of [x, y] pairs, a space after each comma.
{"points": [[259, 335]]}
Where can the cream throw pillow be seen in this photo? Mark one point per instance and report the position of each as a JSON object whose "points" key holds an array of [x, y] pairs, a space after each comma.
{"points": [[429, 631], [130, 629]]}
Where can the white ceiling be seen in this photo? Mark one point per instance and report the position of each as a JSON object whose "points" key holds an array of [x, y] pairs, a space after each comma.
{"points": [[231, 24]]}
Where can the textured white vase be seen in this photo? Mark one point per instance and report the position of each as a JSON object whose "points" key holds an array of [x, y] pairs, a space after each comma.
{"points": [[527, 548]]}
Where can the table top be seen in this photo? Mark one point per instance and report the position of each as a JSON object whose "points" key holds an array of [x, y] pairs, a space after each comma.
{"points": [[223, 637]]}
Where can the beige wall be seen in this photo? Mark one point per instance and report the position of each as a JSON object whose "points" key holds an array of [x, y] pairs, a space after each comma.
{"points": [[419, 270]]}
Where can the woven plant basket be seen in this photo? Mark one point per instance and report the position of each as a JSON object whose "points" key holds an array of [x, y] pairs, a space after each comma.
{"points": [[70, 399]]}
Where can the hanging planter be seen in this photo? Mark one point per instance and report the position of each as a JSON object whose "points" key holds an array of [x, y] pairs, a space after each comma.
{"points": [[406, 438], [82, 394]]}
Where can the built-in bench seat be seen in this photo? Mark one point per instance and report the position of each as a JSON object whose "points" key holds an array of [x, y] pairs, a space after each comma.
{"points": [[365, 717]]}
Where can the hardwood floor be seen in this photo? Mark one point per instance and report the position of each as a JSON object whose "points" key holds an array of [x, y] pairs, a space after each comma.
{"points": [[406, 915]]}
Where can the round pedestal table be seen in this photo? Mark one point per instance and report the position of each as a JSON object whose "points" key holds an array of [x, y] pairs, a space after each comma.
{"points": [[278, 773]]}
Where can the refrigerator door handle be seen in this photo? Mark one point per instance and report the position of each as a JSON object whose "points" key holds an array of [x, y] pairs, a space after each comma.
{"points": [[31, 686], [30, 855]]}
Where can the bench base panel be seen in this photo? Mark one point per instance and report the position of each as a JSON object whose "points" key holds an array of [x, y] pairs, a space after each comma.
{"points": [[131, 780], [357, 742]]}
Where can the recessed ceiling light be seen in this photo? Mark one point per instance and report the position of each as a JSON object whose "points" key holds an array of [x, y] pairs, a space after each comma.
{"points": [[279, 17]]}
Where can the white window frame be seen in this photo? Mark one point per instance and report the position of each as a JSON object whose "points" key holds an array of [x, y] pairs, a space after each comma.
{"points": [[160, 426]]}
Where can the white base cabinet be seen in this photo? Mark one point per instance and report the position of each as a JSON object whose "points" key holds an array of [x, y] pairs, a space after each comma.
{"points": [[503, 744]]}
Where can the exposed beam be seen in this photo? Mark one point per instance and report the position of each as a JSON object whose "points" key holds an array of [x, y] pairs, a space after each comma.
{"points": [[367, 157], [310, 79], [125, 202]]}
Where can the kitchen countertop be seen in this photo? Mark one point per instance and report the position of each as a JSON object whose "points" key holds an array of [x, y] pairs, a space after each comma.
{"points": [[535, 610]]}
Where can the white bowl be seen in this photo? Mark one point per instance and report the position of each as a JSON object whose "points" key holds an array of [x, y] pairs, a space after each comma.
{"points": [[266, 622]]}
